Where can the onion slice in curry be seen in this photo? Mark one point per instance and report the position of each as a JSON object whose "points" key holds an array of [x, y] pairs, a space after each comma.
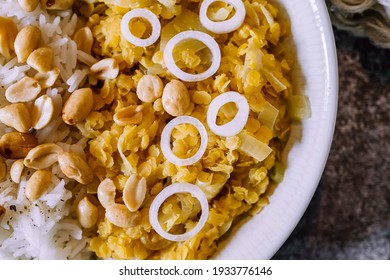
{"points": [[225, 26], [196, 192], [145, 14], [194, 35]]}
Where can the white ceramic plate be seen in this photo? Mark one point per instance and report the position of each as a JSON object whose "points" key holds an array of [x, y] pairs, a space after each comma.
{"points": [[261, 236]]}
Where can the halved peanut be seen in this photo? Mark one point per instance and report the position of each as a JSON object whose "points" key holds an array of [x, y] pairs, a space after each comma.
{"points": [[74, 167], [42, 112], [106, 192], [25, 90], [119, 215], [129, 115], [105, 69], [84, 39], [16, 170], [42, 156], [48, 79], [87, 213], [8, 32], [149, 88], [41, 59], [27, 41], [28, 5], [38, 184], [16, 116], [78, 106], [15, 145], [57, 4], [3, 169], [134, 192]]}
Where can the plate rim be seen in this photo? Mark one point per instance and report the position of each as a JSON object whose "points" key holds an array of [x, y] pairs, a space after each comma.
{"points": [[331, 91]]}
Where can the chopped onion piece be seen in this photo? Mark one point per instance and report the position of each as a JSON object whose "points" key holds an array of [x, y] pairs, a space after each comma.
{"points": [[277, 172], [213, 184], [225, 26], [299, 107], [253, 147], [269, 18], [199, 36], [122, 155], [234, 126], [166, 141], [149, 16], [268, 115], [196, 192]]}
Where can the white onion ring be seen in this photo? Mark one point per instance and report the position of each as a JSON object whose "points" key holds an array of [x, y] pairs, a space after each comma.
{"points": [[196, 192], [196, 35], [225, 26], [234, 126], [141, 13], [166, 140]]}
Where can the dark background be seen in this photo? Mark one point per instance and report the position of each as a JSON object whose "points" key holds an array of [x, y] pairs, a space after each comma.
{"points": [[349, 216]]}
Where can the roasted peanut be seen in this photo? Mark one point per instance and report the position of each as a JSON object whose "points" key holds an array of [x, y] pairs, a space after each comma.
{"points": [[134, 192], [129, 115], [27, 41], [3, 169], [57, 4], [28, 5], [42, 112], [78, 106], [87, 213], [41, 59], [149, 88], [16, 116], [119, 215], [175, 98], [16, 170], [15, 145], [42, 156], [74, 167], [106, 192], [2, 211], [25, 90], [105, 69], [8, 32], [48, 79], [84, 39], [38, 184]]}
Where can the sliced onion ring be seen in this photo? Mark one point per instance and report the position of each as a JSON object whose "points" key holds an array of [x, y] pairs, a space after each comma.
{"points": [[225, 26], [234, 126], [196, 35], [196, 192], [141, 13], [166, 140]]}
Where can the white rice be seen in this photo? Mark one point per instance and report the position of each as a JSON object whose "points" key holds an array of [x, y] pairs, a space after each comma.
{"points": [[44, 229], [86, 58], [76, 79]]}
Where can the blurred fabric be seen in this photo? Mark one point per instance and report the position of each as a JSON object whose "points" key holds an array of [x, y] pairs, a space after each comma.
{"points": [[349, 216]]}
